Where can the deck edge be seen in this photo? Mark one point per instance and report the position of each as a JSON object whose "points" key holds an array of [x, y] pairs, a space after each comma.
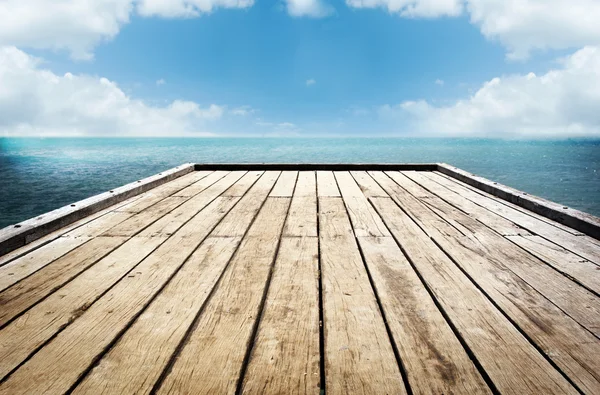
{"points": [[578, 220], [23, 233], [318, 166]]}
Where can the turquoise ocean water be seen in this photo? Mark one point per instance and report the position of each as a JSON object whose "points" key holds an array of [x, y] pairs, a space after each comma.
{"points": [[38, 175]]}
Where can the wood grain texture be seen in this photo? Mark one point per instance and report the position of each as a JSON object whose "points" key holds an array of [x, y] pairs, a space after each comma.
{"points": [[365, 220], [305, 184], [577, 244], [358, 354], [327, 186], [24, 294], [434, 360], [561, 338], [580, 269], [285, 356], [489, 247], [134, 364], [511, 362], [285, 184], [212, 357]]}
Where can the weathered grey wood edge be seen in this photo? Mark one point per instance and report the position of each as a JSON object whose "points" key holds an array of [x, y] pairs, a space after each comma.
{"points": [[18, 235], [317, 166], [578, 220]]}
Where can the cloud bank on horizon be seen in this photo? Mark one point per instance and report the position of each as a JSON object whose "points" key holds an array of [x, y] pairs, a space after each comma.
{"points": [[560, 102]]}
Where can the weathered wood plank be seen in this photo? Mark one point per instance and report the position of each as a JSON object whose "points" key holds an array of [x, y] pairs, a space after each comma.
{"points": [[577, 244], [136, 361], [581, 221], [306, 184], [58, 365], [500, 224], [509, 204], [358, 354], [202, 184], [31, 330], [133, 365], [212, 357], [240, 188], [327, 185], [496, 250], [367, 185], [285, 184], [171, 222], [511, 362], [285, 357], [561, 338], [242, 215], [302, 216], [365, 220], [433, 358], [580, 269], [15, 236], [24, 294]]}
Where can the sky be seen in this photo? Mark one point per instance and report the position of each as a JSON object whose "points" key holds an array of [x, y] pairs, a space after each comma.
{"points": [[353, 68]]}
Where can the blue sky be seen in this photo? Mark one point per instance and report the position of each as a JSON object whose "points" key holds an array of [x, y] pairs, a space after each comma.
{"points": [[360, 68]]}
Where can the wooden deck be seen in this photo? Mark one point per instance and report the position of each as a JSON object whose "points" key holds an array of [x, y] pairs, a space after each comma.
{"points": [[312, 281]]}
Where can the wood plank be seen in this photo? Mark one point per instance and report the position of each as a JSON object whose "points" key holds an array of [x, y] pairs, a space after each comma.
{"points": [[285, 356], [510, 361], [13, 237], [560, 337], [580, 245], [327, 185], [365, 220], [31, 330], [137, 222], [133, 365], [483, 215], [433, 358], [285, 184], [54, 236], [205, 182], [306, 184], [57, 366], [171, 222], [509, 204], [211, 359], [302, 217], [580, 269], [240, 188], [358, 354], [495, 250], [367, 185], [237, 223], [27, 292]]}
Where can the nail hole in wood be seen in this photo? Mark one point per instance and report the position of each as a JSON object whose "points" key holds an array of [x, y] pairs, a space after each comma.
{"points": [[17, 226], [72, 205], [111, 191], [565, 207]]}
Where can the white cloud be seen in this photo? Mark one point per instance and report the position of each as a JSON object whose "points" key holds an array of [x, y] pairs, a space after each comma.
{"points": [[186, 8], [413, 8], [310, 82], [525, 25], [243, 111], [160, 82], [562, 102], [308, 8], [77, 26], [520, 25], [439, 82], [35, 101]]}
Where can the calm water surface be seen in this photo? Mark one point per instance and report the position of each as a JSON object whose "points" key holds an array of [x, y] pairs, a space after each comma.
{"points": [[38, 175]]}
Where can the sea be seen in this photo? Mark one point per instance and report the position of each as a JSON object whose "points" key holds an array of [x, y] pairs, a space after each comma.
{"points": [[38, 175]]}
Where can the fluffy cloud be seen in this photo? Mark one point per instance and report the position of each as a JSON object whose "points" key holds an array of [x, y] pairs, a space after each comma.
{"points": [[413, 8], [186, 8], [308, 8], [310, 82], [34, 101], [562, 102], [78, 26], [520, 25]]}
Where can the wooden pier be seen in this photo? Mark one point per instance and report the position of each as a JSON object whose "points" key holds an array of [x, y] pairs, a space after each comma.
{"points": [[280, 279]]}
